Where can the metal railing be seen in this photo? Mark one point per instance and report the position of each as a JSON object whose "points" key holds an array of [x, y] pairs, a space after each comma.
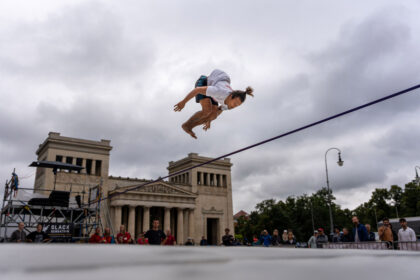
{"points": [[396, 245]]}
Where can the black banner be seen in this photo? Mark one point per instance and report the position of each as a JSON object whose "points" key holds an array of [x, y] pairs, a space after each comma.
{"points": [[59, 232]]}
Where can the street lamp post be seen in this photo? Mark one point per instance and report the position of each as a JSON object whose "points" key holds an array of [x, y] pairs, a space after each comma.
{"points": [[312, 215], [340, 163], [417, 180], [376, 217]]}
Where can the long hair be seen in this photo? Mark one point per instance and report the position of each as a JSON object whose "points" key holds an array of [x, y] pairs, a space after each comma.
{"points": [[242, 94]]}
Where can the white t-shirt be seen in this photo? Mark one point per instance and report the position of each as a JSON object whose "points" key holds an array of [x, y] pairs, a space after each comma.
{"points": [[218, 87], [406, 235]]}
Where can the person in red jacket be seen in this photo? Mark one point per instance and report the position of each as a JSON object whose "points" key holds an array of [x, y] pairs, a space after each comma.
{"points": [[170, 239], [123, 237], [97, 237], [142, 240]]}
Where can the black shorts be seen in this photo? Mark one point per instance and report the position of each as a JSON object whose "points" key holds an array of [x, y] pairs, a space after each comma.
{"points": [[199, 97], [202, 82]]}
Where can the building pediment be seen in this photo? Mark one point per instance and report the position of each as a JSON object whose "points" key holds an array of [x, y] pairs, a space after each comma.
{"points": [[156, 188]]}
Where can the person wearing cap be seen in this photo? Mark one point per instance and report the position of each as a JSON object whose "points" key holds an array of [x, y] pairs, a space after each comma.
{"points": [[405, 234], [285, 236], [189, 242], [321, 238], [312, 240]]}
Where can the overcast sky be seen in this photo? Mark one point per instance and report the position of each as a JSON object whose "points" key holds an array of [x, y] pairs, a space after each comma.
{"points": [[114, 69]]}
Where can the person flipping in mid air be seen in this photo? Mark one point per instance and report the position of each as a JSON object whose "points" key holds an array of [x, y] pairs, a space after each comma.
{"points": [[215, 95]]}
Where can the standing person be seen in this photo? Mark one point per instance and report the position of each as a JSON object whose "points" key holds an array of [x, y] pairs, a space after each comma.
{"points": [[385, 232], [170, 239], [214, 95], [123, 237], [291, 240], [19, 235], [227, 239], [203, 241], [108, 237], [142, 240], [371, 235], [97, 237], [321, 238], [337, 235], [15, 183], [189, 242], [405, 234], [312, 240], [346, 236], [360, 233], [265, 238], [276, 240], [155, 235], [38, 236], [284, 236]]}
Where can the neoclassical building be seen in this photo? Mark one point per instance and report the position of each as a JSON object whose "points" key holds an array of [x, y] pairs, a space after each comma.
{"points": [[194, 203]]}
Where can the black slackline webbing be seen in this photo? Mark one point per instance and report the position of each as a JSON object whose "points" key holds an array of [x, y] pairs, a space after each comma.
{"points": [[270, 139]]}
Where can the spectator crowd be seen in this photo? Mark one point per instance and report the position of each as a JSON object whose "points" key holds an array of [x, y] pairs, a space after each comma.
{"points": [[155, 236], [363, 233]]}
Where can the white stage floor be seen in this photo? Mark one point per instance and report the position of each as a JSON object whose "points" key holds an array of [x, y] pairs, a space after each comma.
{"points": [[80, 262]]}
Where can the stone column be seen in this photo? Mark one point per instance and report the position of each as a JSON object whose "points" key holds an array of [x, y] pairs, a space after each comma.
{"points": [[146, 218], [191, 224], [167, 219], [112, 218], [138, 219], [132, 220], [180, 227], [83, 171], [117, 219], [93, 171], [202, 178]]}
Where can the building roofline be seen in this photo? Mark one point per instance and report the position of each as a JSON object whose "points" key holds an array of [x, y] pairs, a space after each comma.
{"points": [[194, 157], [56, 138]]}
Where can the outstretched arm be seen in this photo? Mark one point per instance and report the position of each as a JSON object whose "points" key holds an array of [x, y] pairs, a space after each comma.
{"points": [[198, 90]]}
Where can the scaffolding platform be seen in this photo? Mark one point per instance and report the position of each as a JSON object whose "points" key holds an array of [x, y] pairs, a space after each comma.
{"points": [[65, 220]]}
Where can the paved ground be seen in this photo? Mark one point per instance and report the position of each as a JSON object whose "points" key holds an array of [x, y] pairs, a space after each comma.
{"points": [[80, 262]]}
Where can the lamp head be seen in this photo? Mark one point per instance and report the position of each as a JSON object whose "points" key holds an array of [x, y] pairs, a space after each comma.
{"points": [[340, 162]]}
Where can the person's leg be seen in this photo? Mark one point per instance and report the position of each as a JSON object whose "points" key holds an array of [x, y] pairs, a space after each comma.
{"points": [[199, 117], [214, 114]]}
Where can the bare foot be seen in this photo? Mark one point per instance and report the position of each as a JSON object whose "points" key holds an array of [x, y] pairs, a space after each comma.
{"points": [[189, 131]]}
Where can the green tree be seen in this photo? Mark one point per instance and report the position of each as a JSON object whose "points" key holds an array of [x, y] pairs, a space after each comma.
{"points": [[295, 213]]}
